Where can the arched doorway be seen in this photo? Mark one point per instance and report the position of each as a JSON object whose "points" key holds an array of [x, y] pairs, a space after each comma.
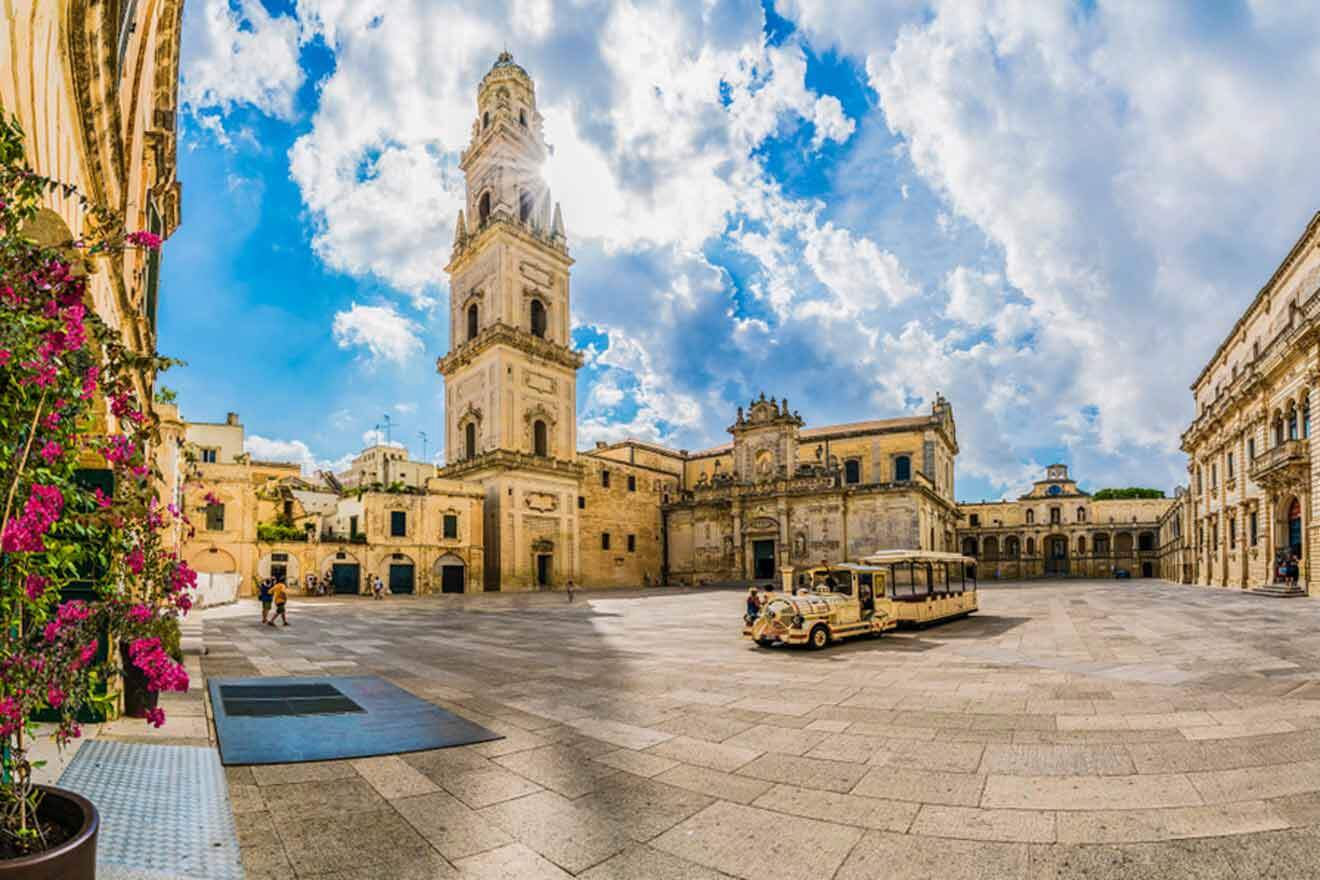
{"points": [[1289, 531], [400, 574], [969, 547], [1056, 555]]}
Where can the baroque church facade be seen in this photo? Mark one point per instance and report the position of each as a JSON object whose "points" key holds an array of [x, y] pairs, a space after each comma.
{"points": [[635, 513]]}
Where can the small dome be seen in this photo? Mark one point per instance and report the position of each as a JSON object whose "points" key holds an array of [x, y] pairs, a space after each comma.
{"points": [[505, 62]]}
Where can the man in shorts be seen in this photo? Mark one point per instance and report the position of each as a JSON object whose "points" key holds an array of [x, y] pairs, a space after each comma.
{"points": [[281, 595]]}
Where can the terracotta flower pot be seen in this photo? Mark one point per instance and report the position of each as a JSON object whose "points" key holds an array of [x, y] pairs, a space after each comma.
{"points": [[137, 699], [75, 859]]}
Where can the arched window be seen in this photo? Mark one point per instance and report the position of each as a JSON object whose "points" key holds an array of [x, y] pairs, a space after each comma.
{"points": [[1278, 431], [522, 118], [852, 471], [472, 322], [539, 443], [1101, 545], [538, 318], [483, 208], [1031, 546], [1081, 514], [1081, 546], [902, 469], [1292, 423], [524, 207], [1031, 517], [485, 120], [470, 440], [1306, 419], [969, 547], [1011, 547]]}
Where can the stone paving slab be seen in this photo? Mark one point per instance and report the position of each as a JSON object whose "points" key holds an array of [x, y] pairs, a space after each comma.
{"points": [[1068, 730]]}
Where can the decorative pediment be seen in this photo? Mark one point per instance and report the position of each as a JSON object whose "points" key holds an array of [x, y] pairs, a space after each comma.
{"points": [[471, 412], [539, 411]]}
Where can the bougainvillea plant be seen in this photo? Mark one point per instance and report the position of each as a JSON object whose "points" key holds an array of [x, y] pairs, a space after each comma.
{"points": [[81, 512]]}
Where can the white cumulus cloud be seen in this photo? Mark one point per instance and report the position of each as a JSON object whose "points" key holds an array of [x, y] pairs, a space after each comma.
{"points": [[381, 330]]}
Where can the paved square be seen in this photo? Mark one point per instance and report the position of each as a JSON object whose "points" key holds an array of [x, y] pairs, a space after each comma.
{"points": [[1070, 729]]}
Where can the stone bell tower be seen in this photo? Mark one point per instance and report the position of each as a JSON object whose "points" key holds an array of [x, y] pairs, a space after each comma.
{"points": [[511, 372]]}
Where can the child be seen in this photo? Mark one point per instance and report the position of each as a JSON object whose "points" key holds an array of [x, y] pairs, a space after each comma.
{"points": [[281, 595]]}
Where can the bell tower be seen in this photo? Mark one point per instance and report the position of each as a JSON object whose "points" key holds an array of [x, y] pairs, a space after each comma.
{"points": [[511, 373]]}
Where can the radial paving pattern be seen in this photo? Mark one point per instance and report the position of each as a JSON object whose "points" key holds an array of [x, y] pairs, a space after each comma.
{"points": [[1084, 729]]}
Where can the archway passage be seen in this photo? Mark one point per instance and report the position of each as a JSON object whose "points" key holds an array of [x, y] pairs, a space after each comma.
{"points": [[763, 560]]}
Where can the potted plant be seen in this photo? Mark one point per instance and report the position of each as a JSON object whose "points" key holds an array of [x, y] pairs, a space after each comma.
{"points": [[78, 514]]}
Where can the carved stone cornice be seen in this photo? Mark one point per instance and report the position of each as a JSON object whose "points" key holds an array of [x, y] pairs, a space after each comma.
{"points": [[500, 333], [508, 460]]}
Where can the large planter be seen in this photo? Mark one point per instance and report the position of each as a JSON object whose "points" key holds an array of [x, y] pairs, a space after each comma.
{"points": [[137, 699], [75, 859]]}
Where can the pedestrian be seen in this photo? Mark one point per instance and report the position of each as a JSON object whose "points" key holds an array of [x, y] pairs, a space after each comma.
{"points": [[1293, 570], [376, 590], [753, 604], [571, 589], [281, 595], [263, 593]]}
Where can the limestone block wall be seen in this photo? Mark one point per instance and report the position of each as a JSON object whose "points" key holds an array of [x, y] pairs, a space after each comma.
{"points": [[628, 507]]}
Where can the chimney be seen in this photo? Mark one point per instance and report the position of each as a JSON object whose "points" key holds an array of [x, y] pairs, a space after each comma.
{"points": [[231, 418]]}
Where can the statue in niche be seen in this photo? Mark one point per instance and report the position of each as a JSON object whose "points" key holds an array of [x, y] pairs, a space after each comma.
{"points": [[799, 545], [820, 452], [703, 479]]}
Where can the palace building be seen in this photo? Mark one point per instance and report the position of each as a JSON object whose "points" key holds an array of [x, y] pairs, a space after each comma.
{"points": [[1058, 530], [1251, 492], [633, 513]]}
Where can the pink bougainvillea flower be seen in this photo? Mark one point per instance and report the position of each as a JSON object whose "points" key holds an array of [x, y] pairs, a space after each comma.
{"points": [[139, 614], [5, 356], [135, 560], [55, 697], [103, 500], [143, 239], [51, 452], [35, 586], [156, 717]]}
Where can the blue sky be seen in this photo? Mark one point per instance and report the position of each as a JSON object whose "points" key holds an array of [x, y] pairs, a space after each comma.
{"points": [[854, 207]]}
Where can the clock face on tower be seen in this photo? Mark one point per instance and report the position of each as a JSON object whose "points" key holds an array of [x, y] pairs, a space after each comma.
{"points": [[1054, 490]]}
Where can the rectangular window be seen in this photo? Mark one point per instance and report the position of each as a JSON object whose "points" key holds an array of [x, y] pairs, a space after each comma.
{"points": [[352, 526], [632, 483], [1232, 533], [450, 526], [976, 520], [604, 540], [209, 456], [605, 479], [582, 502], [398, 524], [1253, 528], [632, 543], [1214, 477], [215, 517], [1251, 449], [1230, 465]]}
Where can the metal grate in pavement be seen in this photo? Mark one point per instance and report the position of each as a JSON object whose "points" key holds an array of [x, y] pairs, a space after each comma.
{"points": [[165, 811]]}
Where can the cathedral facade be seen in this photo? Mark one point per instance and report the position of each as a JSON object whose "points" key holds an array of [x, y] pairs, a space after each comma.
{"points": [[633, 513]]}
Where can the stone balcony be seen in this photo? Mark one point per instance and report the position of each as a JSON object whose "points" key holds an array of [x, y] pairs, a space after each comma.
{"points": [[1289, 463]]}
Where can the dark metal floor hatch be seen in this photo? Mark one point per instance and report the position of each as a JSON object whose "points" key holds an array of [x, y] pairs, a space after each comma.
{"points": [[291, 720]]}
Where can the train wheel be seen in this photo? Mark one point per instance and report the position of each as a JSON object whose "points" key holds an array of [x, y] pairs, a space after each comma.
{"points": [[820, 637]]}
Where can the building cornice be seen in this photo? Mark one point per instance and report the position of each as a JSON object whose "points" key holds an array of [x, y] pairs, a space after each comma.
{"points": [[506, 460], [498, 334]]}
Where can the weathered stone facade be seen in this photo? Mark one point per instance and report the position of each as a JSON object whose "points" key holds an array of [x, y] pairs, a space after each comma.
{"points": [[260, 519], [794, 498], [1250, 448], [1057, 530]]}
